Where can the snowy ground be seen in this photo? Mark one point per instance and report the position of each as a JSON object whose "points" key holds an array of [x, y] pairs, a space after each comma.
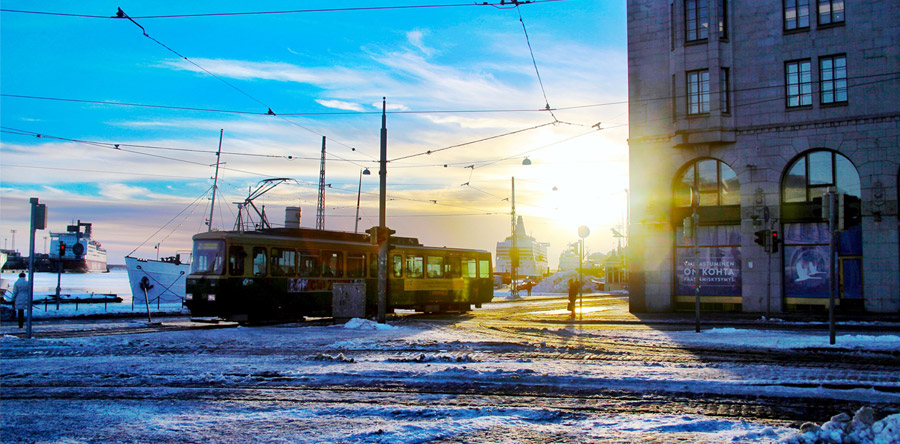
{"points": [[484, 377], [411, 382]]}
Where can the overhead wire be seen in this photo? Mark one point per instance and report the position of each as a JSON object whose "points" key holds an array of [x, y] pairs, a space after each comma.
{"points": [[295, 11], [534, 62]]}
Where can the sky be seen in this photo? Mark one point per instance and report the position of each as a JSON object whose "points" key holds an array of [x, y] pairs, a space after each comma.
{"points": [[116, 121]]}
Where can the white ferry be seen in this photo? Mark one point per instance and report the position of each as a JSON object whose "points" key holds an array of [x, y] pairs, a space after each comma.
{"points": [[81, 253]]}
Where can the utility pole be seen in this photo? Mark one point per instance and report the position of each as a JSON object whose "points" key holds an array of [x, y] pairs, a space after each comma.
{"points": [[320, 208], [695, 220], [829, 203], [215, 183], [514, 249], [383, 236]]}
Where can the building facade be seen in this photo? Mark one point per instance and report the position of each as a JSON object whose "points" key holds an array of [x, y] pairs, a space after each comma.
{"points": [[532, 254], [748, 112]]}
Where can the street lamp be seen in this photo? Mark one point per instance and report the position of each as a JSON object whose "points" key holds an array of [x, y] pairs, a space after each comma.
{"points": [[362, 172], [583, 232]]}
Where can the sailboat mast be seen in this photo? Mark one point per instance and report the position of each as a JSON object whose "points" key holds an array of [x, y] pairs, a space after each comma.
{"points": [[212, 207]]}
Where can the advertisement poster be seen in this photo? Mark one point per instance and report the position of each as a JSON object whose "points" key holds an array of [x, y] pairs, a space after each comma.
{"points": [[806, 271], [720, 271]]}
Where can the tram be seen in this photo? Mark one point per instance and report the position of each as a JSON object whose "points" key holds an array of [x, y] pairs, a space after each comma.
{"points": [[290, 273]]}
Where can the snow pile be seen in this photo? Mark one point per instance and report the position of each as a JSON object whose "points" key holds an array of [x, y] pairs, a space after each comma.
{"points": [[862, 429], [329, 358], [559, 283], [435, 358], [365, 324]]}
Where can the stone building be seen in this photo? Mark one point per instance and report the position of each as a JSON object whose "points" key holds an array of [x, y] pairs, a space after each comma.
{"points": [[760, 107]]}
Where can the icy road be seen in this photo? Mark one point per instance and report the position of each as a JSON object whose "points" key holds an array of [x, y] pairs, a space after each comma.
{"points": [[515, 372]]}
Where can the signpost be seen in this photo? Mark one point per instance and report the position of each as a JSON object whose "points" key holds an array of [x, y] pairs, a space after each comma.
{"points": [[583, 232], [38, 222]]}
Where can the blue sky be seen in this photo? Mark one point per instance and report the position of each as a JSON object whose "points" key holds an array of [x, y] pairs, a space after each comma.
{"points": [[323, 74]]}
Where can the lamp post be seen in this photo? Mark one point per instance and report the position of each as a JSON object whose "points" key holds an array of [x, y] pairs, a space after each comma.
{"points": [[363, 172], [583, 232]]}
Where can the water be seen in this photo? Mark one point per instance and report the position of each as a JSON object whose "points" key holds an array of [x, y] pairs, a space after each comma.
{"points": [[115, 282]]}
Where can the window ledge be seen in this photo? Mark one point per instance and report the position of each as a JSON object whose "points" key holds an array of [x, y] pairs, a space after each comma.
{"points": [[834, 104], [798, 108], [796, 30], [697, 42], [830, 25]]}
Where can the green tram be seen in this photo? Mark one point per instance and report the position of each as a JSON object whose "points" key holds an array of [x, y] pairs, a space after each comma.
{"points": [[289, 273]]}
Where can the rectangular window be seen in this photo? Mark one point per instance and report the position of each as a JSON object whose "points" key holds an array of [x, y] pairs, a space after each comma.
{"points": [[309, 264], [236, 255], [356, 265], [833, 79], [696, 17], [470, 268], [259, 261], [796, 14], [698, 92], [452, 267], [414, 266], [484, 268], [435, 267], [672, 25], [283, 262], [333, 264], [831, 11], [798, 83], [396, 266], [723, 91], [723, 19]]}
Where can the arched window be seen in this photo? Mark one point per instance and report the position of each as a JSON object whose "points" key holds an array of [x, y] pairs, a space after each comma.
{"points": [[718, 235], [714, 180], [811, 175], [807, 235]]}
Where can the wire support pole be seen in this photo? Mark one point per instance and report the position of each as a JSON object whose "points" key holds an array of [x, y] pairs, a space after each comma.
{"points": [[382, 235], [212, 206], [320, 206]]}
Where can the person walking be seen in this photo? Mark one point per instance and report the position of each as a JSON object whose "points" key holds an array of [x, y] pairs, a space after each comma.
{"points": [[20, 294]]}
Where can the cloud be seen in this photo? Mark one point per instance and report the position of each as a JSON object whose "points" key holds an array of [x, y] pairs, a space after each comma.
{"points": [[340, 104], [119, 191], [415, 38]]}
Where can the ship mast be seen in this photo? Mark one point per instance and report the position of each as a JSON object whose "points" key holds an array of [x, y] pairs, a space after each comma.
{"points": [[212, 207]]}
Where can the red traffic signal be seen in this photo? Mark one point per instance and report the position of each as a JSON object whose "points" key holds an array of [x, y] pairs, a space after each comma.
{"points": [[62, 249], [775, 242]]}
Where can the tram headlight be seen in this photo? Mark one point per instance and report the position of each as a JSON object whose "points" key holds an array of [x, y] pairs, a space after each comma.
{"points": [[189, 296], [211, 298]]}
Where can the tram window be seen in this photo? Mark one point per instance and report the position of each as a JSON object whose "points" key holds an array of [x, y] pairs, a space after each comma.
{"points": [[209, 257], [283, 262], [469, 268], [414, 266], [236, 256], [396, 266], [484, 268], [435, 266], [309, 264], [452, 267], [259, 261], [332, 264], [356, 265], [373, 265]]}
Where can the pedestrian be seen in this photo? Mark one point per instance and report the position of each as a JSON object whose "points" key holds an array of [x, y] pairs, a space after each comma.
{"points": [[573, 292], [21, 297]]}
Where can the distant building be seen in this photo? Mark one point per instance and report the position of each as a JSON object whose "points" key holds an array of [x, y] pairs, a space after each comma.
{"points": [[762, 107], [532, 254]]}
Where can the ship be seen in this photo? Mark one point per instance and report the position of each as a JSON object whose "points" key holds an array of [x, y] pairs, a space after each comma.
{"points": [[77, 250], [159, 280]]}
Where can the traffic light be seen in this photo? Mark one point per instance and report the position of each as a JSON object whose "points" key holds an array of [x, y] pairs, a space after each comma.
{"points": [[62, 249], [762, 239], [775, 242]]}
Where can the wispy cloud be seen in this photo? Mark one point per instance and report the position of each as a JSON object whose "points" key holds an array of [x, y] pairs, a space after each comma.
{"points": [[340, 104]]}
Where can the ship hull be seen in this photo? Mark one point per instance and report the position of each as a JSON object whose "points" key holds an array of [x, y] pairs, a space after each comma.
{"points": [[166, 278]]}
